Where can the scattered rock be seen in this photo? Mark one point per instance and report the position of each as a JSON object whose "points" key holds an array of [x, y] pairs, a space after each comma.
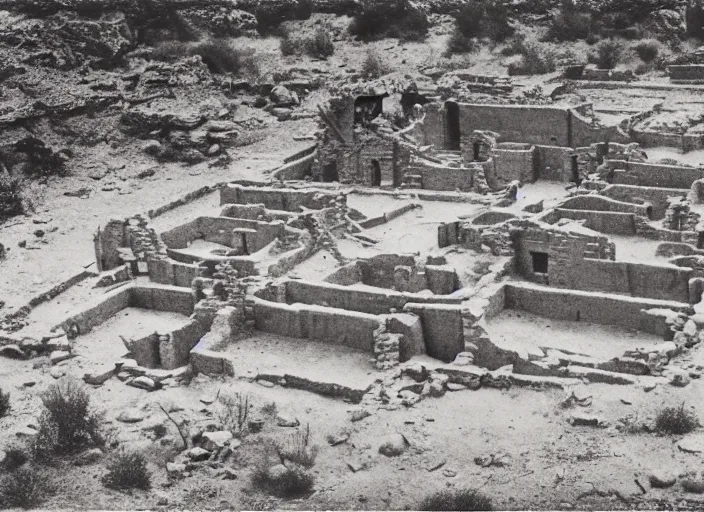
{"points": [[693, 485], [448, 473], [100, 376], [13, 352], [175, 470], [660, 479], [283, 420], [89, 457], [393, 445], [499, 459], [408, 397], [143, 383], [59, 355], [678, 378], [436, 389], [26, 432], [434, 466], [57, 372], [338, 439], [356, 465], [265, 383], [417, 372], [580, 419], [198, 454], [454, 386], [692, 443], [216, 440], [228, 474], [255, 425], [359, 415], [132, 415]]}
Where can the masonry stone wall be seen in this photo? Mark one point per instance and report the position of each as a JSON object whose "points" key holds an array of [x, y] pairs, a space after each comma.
{"points": [[616, 223], [654, 175], [656, 197], [442, 329]]}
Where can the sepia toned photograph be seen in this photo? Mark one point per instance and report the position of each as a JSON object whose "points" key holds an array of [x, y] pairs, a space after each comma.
{"points": [[332, 255]]}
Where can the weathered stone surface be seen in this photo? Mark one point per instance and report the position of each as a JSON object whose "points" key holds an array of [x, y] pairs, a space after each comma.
{"points": [[59, 355], [132, 415], [175, 470], [89, 457], [283, 420], [99, 376], [143, 383], [692, 443], [583, 419], [661, 479], [13, 352], [393, 445], [198, 454], [215, 440], [454, 386]]}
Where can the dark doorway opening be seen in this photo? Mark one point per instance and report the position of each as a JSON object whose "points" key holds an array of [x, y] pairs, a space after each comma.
{"points": [[376, 173], [453, 125], [574, 167], [476, 148], [367, 108], [540, 262], [330, 172]]}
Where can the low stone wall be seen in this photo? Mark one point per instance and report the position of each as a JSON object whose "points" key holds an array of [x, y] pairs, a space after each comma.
{"points": [[443, 178], [296, 169], [656, 197], [364, 301], [97, 311], [442, 329], [654, 175], [552, 163], [616, 223], [603, 204], [583, 306], [277, 198], [168, 271], [162, 298], [331, 325], [686, 72]]}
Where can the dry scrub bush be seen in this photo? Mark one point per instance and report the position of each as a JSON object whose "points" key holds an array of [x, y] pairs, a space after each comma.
{"points": [[484, 19], [272, 14], [373, 66], [15, 457], [648, 50], [675, 420], [320, 45], [23, 487], [459, 43], [297, 449], [536, 59], [4, 403], [396, 18], [456, 499], [67, 423], [607, 53], [127, 470], [11, 204], [233, 412]]}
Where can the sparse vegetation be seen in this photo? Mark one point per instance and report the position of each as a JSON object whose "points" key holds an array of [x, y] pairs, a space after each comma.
{"points": [[11, 204], [233, 412], [269, 409], [607, 53], [297, 449], [374, 66], [676, 420], [536, 59], [67, 423], [4, 400], [285, 481], [399, 18], [648, 50], [320, 45], [270, 15], [456, 499], [218, 55], [127, 470], [459, 43], [571, 24], [15, 457], [288, 44], [484, 19], [22, 487]]}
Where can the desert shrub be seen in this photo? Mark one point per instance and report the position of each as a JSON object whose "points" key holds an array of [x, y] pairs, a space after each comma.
{"points": [[269, 409], [271, 14], [570, 24], [536, 59], [632, 11], [293, 480], [288, 45], [398, 18], [233, 412], [648, 50], [459, 43], [4, 401], [22, 487], [67, 423], [373, 66], [297, 449], [320, 45], [15, 457], [607, 53], [456, 499], [218, 55], [127, 470], [169, 51], [675, 420], [481, 18]]}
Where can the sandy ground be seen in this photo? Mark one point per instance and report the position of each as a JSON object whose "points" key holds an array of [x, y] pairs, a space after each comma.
{"points": [[316, 360], [518, 330]]}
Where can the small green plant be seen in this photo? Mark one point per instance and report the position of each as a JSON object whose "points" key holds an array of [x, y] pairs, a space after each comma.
{"points": [[675, 420], [320, 45], [607, 53], [456, 499], [297, 449], [127, 470], [67, 423], [15, 457], [22, 487], [648, 50], [4, 403]]}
